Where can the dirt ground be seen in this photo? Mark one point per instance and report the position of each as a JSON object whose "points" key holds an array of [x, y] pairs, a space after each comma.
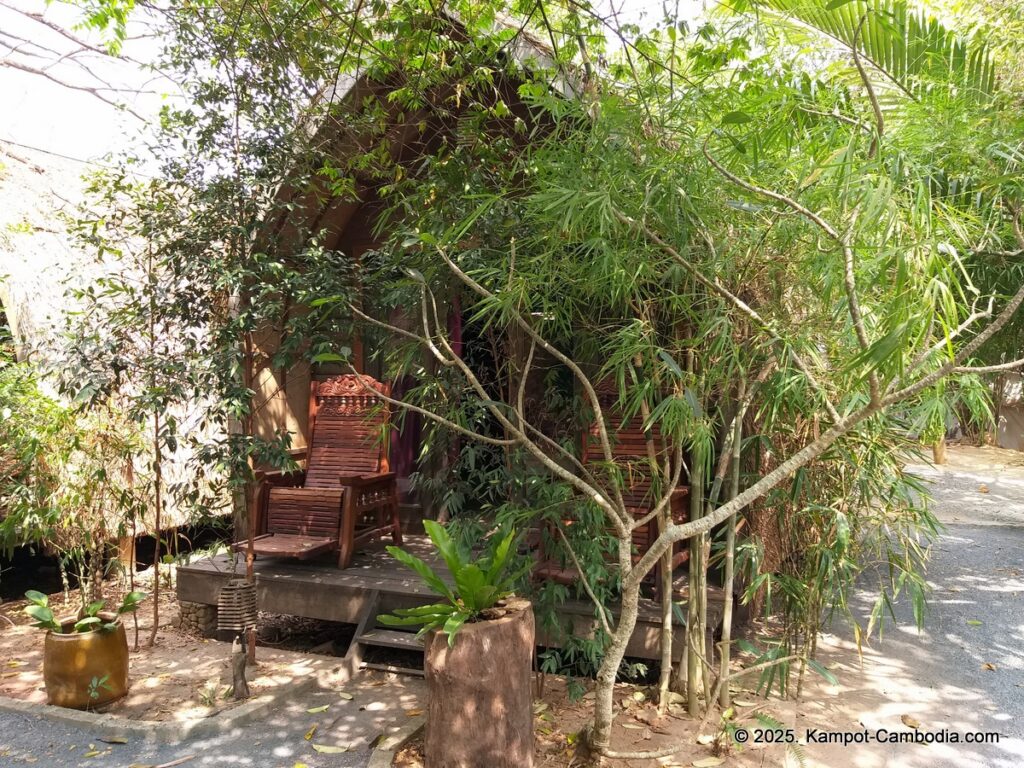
{"points": [[558, 722], [181, 678]]}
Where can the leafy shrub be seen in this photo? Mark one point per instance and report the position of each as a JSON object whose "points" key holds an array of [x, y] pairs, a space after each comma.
{"points": [[89, 619], [479, 585]]}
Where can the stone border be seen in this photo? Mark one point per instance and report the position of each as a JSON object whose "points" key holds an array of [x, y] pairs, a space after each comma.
{"points": [[111, 726], [384, 753]]}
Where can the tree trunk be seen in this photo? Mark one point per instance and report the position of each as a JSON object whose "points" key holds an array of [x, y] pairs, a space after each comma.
{"points": [[939, 450], [158, 503], [480, 706], [604, 704]]}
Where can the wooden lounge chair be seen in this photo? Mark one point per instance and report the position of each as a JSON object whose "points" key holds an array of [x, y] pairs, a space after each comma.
{"points": [[629, 452], [345, 496]]}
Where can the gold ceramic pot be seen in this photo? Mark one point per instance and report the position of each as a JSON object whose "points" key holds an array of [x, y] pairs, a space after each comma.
{"points": [[84, 670]]}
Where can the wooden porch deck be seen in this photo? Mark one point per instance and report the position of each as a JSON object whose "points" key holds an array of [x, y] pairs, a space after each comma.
{"points": [[318, 589]]}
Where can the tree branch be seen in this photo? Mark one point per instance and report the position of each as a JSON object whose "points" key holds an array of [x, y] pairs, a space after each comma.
{"points": [[431, 415], [96, 92], [842, 240], [585, 382], [879, 120], [602, 611], [991, 368], [735, 300]]}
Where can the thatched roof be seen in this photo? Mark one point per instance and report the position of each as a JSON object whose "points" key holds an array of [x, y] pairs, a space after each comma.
{"points": [[37, 258]]}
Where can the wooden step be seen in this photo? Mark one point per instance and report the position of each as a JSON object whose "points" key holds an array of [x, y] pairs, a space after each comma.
{"points": [[389, 638], [393, 669]]}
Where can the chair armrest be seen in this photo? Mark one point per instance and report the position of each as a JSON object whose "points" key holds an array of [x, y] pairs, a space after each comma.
{"points": [[281, 478], [358, 481]]}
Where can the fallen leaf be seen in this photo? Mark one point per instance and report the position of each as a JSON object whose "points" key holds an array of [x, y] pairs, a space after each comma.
{"points": [[345, 696], [142, 765], [539, 706], [982, 488], [15, 663], [324, 749], [705, 739], [648, 716], [989, 666], [309, 733], [92, 753], [300, 765], [639, 696], [318, 710], [413, 712], [974, 622], [634, 726], [115, 740], [707, 762], [744, 703], [910, 722]]}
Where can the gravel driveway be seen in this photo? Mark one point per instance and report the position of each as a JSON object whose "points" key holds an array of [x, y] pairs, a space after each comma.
{"points": [[965, 671]]}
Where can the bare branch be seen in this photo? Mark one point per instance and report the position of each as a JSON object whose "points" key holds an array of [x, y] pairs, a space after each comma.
{"points": [[773, 195], [991, 368], [616, 513], [602, 612], [40, 19], [388, 327], [741, 305], [842, 240], [879, 120], [569, 363], [97, 92], [837, 115], [431, 415], [972, 318]]}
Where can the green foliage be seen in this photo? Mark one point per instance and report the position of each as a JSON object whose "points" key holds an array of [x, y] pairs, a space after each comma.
{"points": [[89, 619], [98, 683], [905, 45], [480, 584]]}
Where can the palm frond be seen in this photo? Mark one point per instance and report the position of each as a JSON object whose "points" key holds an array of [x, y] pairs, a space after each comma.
{"points": [[903, 45]]}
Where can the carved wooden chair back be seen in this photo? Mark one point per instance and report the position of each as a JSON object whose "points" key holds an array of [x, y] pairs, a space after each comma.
{"points": [[348, 429]]}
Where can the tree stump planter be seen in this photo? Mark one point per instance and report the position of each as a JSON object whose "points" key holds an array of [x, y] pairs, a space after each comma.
{"points": [[480, 708], [84, 670]]}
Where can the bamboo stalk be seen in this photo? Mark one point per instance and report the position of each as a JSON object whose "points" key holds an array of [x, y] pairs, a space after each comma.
{"points": [[702, 616], [665, 587], [696, 554], [730, 549]]}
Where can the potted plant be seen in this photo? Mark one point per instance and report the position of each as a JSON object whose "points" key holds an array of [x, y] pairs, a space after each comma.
{"points": [[85, 657], [482, 681]]}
